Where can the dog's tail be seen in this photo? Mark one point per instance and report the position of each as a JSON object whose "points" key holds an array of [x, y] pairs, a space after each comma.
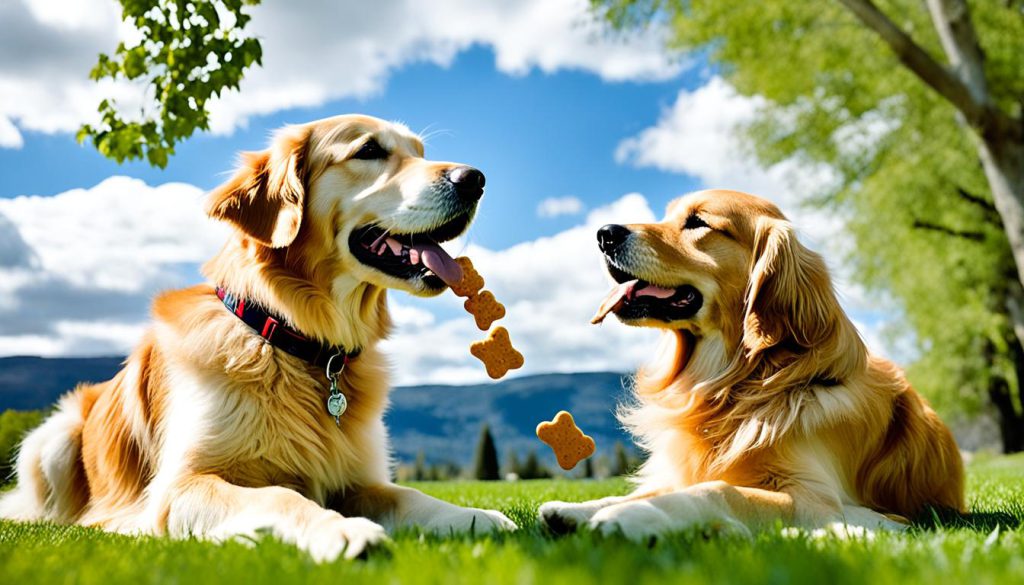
{"points": [[50, 475]]}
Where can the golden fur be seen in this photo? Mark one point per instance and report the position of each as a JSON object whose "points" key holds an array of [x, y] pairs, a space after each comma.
{"points": [[765, 405], [209, 430]]}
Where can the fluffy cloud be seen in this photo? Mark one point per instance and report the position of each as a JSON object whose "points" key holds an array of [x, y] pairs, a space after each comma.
{"points": [[556, 206], [77, 270], [314, 51], [699, 136], [551, 287]]}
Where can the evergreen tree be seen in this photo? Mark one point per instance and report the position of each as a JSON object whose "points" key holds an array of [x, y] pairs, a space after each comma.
{"points": [[486, 462], [588, 468], [532, 468], [420, 470], [622, 465], [512, 464]]}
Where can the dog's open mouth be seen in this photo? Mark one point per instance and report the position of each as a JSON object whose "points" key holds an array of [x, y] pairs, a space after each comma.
{"points": [[410, 256], [634, 299]]}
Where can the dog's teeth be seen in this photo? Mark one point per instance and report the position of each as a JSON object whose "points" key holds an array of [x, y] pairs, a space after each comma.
{"points": [[414, 256], [395, 246]]}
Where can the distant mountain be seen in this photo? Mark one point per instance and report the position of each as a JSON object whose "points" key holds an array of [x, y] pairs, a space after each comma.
{"points": [[442, 421], [31, 383]]}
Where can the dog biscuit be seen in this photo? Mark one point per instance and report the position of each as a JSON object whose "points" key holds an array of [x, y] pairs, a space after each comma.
{"points": [[566, 439], [497, 353], [471, 282], [485, 309]]}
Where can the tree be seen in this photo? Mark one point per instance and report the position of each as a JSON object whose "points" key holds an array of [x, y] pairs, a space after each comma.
{"points": [[486, 461], [191, 51], [532, 469], [420, 469], [512, 464], [924, 156], [983, 84], [14, 425], [588, 468], [623, 465]]}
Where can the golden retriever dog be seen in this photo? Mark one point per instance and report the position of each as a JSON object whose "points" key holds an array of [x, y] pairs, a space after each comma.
{"points": [[763, 406], [256, 407]]}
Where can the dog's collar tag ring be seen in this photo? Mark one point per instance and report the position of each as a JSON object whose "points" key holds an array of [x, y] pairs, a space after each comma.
{"points": [[336, 402]]}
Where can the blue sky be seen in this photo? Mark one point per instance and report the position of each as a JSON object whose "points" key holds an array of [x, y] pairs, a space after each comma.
{"points": [[537, 94], [535, 136]]}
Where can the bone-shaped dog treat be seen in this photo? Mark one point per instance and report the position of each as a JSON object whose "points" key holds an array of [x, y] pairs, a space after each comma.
{"points": [[497, 353], [566, 439], [485, 309], [471, 282]]}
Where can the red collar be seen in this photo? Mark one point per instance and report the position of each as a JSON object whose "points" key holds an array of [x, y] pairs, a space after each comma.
{"points": [[280, 335]]}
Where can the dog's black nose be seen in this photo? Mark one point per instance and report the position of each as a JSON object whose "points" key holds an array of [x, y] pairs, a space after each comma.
{"points": [[469, 182], [611, 236]]}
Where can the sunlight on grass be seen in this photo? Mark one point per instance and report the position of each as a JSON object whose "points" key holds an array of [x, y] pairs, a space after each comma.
{"points": [[989, 550]]}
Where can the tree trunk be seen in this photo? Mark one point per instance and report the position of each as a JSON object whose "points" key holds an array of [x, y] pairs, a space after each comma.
{"points": [[1000, 136], [1003, 160], [1011, 424], [1011, 421]]}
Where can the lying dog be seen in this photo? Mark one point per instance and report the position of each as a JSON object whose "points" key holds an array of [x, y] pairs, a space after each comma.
{"points": [[256, 407], [764, 405]]}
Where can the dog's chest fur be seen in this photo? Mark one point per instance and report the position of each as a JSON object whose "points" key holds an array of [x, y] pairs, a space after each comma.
{"points": [[258, 417]]}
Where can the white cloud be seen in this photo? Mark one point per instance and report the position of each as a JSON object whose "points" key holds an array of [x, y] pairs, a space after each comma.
{"points": [[551, 287], [314, 51], [699, 136], [9, 135], [78, 269], [556, 206]]}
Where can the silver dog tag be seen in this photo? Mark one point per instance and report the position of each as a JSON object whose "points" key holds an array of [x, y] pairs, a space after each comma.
{"points": [[336, 405]]}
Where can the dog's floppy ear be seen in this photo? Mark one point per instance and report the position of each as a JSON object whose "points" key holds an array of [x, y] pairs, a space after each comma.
{"points": [[789, 297], [265, 197]]}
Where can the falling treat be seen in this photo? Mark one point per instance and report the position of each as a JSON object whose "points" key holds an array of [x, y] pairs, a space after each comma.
{"points": [[471, 281], [566, 439], [497, 353], [485, 309]]}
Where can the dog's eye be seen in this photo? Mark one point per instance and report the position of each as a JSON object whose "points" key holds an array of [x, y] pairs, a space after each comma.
{"points": [[370, 150], [695, 222]]}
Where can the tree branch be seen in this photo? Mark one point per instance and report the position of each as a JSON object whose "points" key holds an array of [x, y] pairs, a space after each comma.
{"points": [[987, 207], [960, 42], [978, 200], [982, 115], [925, 225]]}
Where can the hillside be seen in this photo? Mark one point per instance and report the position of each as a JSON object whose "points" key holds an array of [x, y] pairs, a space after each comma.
{"points": [[442, 421]]}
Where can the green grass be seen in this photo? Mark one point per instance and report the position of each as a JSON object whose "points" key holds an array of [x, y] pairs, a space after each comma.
{"points": [[988, 549]]}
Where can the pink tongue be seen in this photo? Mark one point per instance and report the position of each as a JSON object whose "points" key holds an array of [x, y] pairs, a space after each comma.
{"points": [[654, 291], [613, 300], [439, 262]]}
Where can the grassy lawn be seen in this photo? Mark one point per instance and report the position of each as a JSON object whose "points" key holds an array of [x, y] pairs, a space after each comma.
{"points": [[936, 552]]}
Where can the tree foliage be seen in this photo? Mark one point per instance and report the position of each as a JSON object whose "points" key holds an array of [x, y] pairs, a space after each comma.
{"points": [[190, 51], [14, 425], [486, 461], [926, 234]]}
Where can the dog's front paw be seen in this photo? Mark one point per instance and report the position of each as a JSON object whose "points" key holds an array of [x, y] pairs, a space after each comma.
{"points": [[644, 522], [638, 521], [566, 517], [472, 520], [351, 537]]}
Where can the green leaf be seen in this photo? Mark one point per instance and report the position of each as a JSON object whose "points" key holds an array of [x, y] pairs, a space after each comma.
{"points": [[175, 54]]}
